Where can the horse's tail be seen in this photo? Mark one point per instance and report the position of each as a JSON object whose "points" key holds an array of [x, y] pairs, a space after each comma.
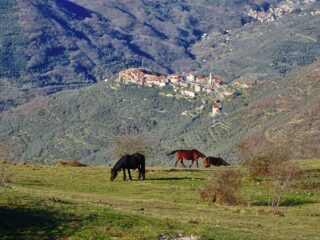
{"points": [[143, 167], [172, 152]]}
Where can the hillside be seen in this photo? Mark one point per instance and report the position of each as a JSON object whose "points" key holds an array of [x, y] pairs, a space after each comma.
{"points": [[52, 46], [293, 112], [82, 124]]}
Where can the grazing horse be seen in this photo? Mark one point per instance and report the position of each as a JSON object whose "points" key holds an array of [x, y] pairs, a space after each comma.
{"points": [[192, 154], [215, 161], [128, 162]]}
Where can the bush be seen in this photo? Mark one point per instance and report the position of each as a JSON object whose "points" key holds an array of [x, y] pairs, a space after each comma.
{"points": [[71, 163], [272, 163], [5, 174], [310, 180], [261, 161], [224, 188], [283, 177], [263, 164], [6, 152]]}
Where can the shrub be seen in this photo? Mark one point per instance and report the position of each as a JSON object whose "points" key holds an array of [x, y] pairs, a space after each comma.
{"points": [[5, 161], [263, 164], [5, 174], [262, 161], [224, 188], [283, 177], [272, 163], [6, 153], [71, 163], [310, 181]]}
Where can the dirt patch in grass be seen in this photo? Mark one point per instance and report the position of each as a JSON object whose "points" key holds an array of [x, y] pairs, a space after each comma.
{"points": [[70, 163]]}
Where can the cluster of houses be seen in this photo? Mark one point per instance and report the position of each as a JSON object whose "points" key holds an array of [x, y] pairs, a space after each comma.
{"points": [[142, 77], [315, 13], [287, 7], [186, 84]]}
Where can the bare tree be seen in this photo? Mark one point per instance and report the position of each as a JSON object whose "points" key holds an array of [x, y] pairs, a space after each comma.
{"points": [[272, 162], [127, 143], [283, 177], [6, 155]]}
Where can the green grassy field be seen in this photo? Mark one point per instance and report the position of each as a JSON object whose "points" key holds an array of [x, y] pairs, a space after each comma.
{"points": [[54, 202]]}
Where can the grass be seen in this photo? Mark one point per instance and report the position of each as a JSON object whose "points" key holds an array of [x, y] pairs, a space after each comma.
{"points": [[54, 202]]}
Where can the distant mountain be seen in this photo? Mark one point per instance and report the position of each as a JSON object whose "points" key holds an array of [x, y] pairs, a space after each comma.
{"points": [[262, 51], [48, 46]]}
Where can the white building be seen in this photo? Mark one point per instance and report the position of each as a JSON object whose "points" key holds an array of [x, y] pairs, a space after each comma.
{"points": [[188, 93], [216, 109], [198, 88], [191, 77]]}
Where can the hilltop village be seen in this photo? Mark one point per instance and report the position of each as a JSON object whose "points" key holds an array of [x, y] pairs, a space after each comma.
{"points": [[188, 85], [285, 8]]}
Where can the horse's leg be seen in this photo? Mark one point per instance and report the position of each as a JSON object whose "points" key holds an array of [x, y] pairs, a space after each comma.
{"points": [[183, 163], [129, 174], [124, 174], [177, 162], [142, 175], [197, 163], [140, 172], [191, 164]]}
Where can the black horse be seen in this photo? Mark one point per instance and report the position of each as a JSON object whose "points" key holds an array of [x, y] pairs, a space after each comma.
{"points": [[128, 162], [215, 161]]}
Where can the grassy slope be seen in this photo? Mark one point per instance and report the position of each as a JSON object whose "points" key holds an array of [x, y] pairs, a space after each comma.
{"points": [[166, 203]]}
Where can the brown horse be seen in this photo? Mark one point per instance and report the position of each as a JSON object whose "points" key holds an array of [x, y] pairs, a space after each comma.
{"points": [[215, 161], [192, 154]]}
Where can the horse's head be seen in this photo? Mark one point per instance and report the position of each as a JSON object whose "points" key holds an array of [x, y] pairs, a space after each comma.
{"points": [[114, 174], [200, 154], [206, 162], [224, 163]]}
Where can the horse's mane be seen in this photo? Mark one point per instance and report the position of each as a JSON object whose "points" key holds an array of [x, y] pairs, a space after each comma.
{"points": [[200, 153], [116, 166]]}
